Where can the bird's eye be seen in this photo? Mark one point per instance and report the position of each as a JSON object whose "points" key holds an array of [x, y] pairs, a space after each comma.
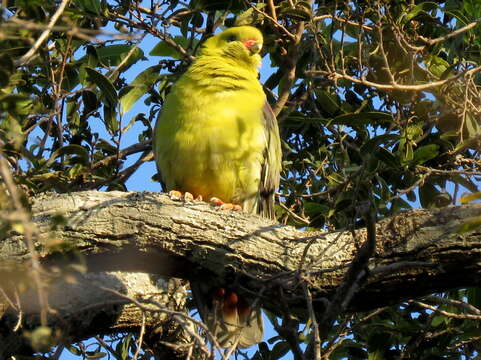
{"points": [[231, 38]]}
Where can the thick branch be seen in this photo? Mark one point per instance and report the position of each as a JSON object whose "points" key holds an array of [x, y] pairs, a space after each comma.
{"points": [[88, 305], [418, 252]]}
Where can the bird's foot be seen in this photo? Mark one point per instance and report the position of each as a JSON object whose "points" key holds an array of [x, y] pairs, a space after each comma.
{"points": [[224, 206], [187, 196]]}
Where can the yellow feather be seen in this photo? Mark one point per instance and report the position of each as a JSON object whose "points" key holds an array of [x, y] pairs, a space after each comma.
{"points": [[210, 139]]}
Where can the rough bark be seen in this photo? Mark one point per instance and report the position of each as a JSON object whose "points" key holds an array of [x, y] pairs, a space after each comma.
{"points": [[88, 304], [418, 252]]}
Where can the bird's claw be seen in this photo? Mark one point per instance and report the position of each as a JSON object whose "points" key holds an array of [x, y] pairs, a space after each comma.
{"points": [[186, 197], [224, 206]]}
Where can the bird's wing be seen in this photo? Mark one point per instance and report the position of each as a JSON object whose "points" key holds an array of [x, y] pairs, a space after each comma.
{"points": [[271, 166]]}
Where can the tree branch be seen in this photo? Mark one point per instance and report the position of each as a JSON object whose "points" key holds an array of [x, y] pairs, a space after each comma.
{"points": [[148, 232]]}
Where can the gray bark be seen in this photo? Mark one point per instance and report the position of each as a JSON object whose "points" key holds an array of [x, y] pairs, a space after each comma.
{"points": [[417, 252]]}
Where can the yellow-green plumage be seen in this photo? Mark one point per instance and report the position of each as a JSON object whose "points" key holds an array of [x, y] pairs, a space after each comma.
{"points": [[213, 137], [216, 136]]}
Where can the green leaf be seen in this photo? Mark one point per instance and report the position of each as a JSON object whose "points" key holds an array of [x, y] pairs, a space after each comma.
{"points": [[129, 96], [108, 90], [95, 355], [90, 102], [147, 77], [427, 195], [108, 148], [72, 149], [164, 49], [313, 209], [89, 6], [280, 349], [438, 320], [91, 58], [408, 155], [473, 8], [376, 355], [71, 77], [364, 118], [417, 10], [430, 197], [76, 170], [41, 338], [73, 350], [471, 125], [474, 296], [6, 69], [372, 144], [425, 153], [141, 84], [110, 119], [438, 66], [399, 204], [16, 104], [301, 12], [249, 17], [220, 5], [328, 102], [113, 55], [449, 135], [73, 116], [458, 15]]}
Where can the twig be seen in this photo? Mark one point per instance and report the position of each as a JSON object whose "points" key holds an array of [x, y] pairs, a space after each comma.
{"points": [[71, 30], [337, 18], [20, 312], [315, 343], [396, 86], [456, 303], [290, 74], [136, 148], [179, 316], [446, 313], [354, 278], [294, 215], [124, 175], [25, 59], [28, 235], [387, 67], [58, 352], [272, 21], [141, 337], [448, 172], [451, 34], [272, 9], [465, 342], [402, 266]]}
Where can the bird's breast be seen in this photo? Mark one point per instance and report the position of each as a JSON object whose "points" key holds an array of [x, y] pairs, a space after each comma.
{"points": [[215, 146]]}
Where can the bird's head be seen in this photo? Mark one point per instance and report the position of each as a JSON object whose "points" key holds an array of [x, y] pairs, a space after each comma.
{"points": [[242, 43]]}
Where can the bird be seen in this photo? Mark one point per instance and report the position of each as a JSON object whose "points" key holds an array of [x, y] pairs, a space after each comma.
{"points": [[217, 137]]}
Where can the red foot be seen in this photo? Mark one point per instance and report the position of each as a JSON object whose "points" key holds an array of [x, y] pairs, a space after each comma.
{"points": [[225, 206], [187, 196]]}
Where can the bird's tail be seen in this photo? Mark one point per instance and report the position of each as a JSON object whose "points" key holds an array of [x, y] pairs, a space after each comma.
{"points": [[228, 315]]}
